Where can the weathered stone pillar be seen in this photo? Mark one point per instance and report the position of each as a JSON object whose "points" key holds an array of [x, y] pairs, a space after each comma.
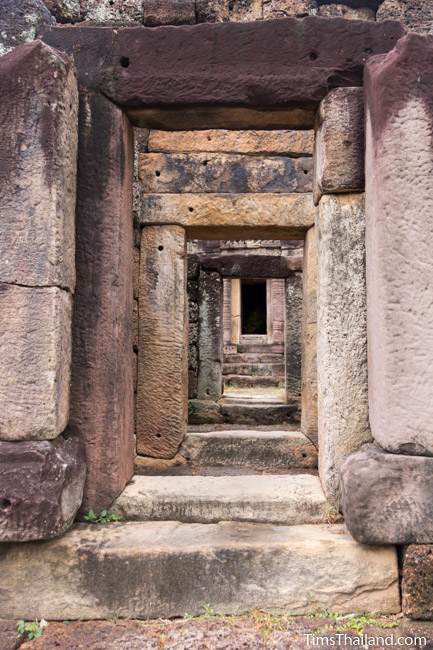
{"points": [[236, 310], [162, 392], [276, 310], [399, 233], [210, 340], [227, 311], [341, 335], [102, 392], [42, 473], [309, 339], [293, 336]]}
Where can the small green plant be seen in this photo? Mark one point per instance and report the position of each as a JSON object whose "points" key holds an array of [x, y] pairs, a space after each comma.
{"points": [[32, 629], [192, 408], [355, 623], [331, 515], [104, 517], [187, 616], [209, 610]]}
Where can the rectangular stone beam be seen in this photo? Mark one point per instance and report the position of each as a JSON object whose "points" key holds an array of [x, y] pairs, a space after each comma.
{"points": [[210, 335], [309, 339], [102, 390], [251, 266], [232, 216], [300, 62], [341, 335], [162, 390], [286, 142], [223, 172], [399, 232]]}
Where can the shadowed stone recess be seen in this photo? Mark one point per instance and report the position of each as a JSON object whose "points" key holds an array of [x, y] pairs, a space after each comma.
{"points": [[399, 230], [38, 142], [309, 339], [417, 585], [339, 144], [41, 488], [170, 568], [102, 390], [341, 335], [388, 498], [35, 353], [162, 390], [210, 340]]}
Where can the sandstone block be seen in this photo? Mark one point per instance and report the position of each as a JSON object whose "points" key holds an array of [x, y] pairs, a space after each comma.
{"points": [[20, 20], [341, 335], [41, 488], [219, 11], [65, 11], [348, 12], [417, 15], [309, 339], [168, 12], [292, 334], [164, 569], [204, 412], [109, 12], [35, 353], [38, 175], [222, 216], [250, 449], [162, 391], [417, 584], [231, 173], [339, 146], [210, 339], [278, 142], [102, 390], [282, 8], [387, 498], [290, 499], [398, 231]]}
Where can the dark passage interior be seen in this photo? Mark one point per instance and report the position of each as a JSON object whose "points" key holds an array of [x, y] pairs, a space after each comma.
{"points": [[253, 307]]}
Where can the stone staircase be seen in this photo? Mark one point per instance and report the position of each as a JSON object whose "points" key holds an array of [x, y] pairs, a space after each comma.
{"points": [[254, 365], [246, 525]]}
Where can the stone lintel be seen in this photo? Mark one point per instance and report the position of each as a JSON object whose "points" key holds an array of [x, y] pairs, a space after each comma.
{"points": [[251, 266], [303, 58], [232, 216]]}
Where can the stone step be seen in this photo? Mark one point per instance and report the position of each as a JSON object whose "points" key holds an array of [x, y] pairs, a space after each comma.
{"points": [[249, 448], [238, 412], [266, 498], [243, 381], [251, 357], [261, 348], [255, 369], [166, 569]]}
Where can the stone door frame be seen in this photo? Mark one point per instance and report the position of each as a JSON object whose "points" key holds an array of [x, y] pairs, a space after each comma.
{"points": [[120, 86]]}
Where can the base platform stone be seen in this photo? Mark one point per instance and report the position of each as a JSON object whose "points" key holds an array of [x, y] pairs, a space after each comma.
{"points": [[388, 498], [417, 586], [164, 569], [41, 488]]}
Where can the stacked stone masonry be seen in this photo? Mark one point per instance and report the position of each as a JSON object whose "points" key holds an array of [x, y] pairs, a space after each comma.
{"points": [[37, 281]]}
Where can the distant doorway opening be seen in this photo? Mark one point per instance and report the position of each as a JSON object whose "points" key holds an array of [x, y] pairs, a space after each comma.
{"points": [[254, 307]]}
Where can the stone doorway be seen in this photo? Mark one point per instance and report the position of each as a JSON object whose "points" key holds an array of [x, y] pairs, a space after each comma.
{"points": [[254, 308]]}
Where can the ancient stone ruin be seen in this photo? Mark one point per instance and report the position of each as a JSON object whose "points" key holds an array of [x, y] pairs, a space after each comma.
{"points": [[216, 307]]}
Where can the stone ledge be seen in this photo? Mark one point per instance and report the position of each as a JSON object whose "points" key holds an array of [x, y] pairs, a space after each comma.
{"points": [[164, 569]]}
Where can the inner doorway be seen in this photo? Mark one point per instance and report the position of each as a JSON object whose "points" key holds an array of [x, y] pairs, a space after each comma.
{"points": [[254, 308]]}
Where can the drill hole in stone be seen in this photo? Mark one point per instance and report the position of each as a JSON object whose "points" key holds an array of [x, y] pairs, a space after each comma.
{"points": [[158, 173], [5, 504], [124, 61], [313, 56], [191, 209], [160, 248]]}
